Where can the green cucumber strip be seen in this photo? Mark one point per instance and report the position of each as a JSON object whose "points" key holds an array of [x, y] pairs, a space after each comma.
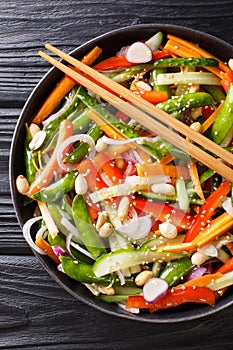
{"points": [[124, 258]]}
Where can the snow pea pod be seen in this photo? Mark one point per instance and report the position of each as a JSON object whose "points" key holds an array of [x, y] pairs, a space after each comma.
{"points": [[91, 102], [89, 235], [224, 121], [191, 100], [176, 270], [82, 149], [30, 158], [57, 189], [54, 124], [83, 273]]}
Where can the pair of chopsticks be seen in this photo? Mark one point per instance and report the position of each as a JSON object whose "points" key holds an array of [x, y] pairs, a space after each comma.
{"points": [[148, 115]]}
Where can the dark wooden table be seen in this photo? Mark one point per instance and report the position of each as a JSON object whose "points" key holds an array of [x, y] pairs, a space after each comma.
{"points": [[35, 313]]}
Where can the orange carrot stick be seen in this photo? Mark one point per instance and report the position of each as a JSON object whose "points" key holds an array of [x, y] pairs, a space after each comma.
{"points": [[42, 244], [62, 88], [183, 51], [203, 53], [208, 122], [195, 179], [202, 281]]}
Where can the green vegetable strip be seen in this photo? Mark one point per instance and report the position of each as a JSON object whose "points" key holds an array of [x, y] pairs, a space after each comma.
{"points": [[176, 270], [57, 190], [90, 237], [224, 121], [162, 63], [83, 273], [30, 158], [191, 100]]}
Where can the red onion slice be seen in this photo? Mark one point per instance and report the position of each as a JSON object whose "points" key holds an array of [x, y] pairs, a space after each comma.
{"points": [[154, 289], [197, 273], [139, 52]]}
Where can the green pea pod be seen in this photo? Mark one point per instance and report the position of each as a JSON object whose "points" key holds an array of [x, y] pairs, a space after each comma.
{"points": [[89, 235], [30, 157], [224, 121], [79, 153], [83, 273], [54, 124], [191, 100], [215, 91], [176, 270], [57, 189], [93, 103]]}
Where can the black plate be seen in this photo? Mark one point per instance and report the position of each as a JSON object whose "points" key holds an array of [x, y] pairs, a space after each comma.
{"points": [[110, 43]]}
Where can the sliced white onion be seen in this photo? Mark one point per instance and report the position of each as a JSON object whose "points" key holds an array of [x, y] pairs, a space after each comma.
{"points": [[135, 228], [227, 206], [27, 234], [69, 141], [224, 240], [120, 274], [41, 231], [81, 250], [132, 310], [139, 52], [140, 140], [55, 115], [71, 228], [209, 250], [154, 289]]}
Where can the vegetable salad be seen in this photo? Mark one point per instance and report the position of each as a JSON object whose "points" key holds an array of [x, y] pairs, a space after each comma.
{"points": [[135, 219]]}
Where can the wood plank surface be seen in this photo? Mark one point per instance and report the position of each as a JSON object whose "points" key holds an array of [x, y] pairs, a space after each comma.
{"points": [[36, 313]]}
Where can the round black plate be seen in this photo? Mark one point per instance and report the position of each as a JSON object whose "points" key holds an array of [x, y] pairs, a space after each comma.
{"points": [[110, 43]]}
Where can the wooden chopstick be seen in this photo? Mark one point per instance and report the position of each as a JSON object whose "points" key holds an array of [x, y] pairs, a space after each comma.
{"points": [[137, 114], [147, 107]]}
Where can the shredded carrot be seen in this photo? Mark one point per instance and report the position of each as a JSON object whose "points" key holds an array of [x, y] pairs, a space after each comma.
{"points": [[166, 159], [230, 247], [208, 122], [195, 179], [202, 281], [62, 88], [183, 51], [162, 169], [224, 67], [218, 227], [42, 244]]}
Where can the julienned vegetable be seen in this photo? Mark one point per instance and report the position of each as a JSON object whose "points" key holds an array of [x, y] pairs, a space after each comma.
{"points": [[123, 211]]}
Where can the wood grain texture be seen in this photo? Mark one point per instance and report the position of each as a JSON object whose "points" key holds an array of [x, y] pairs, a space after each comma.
{"points": [[35, 313]]}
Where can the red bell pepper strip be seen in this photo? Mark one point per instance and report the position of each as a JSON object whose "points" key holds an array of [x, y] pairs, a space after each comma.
{"points": [[117, 62], [153, 97], [94, 180], [164, 212], [207, 210], [103, 162], [226, 267], [46, 175], [174, 297], [227, 80]]}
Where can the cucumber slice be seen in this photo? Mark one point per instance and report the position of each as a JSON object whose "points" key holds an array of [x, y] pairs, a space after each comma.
{"points": [[124, 258]]}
